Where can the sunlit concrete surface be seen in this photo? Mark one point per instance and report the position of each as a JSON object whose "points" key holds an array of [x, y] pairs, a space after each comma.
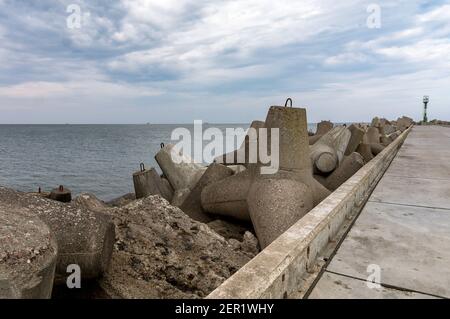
{"points": [[404, 228]]}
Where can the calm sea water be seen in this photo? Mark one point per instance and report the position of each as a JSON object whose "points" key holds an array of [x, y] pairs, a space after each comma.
{"points": [[98, 159]]}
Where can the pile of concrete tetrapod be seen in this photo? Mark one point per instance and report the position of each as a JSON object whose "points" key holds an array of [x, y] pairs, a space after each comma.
{"points": [[310, 168], [41, 237]]}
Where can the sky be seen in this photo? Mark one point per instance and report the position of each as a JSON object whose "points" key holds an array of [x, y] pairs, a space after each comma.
{"points": [[176, 61]]}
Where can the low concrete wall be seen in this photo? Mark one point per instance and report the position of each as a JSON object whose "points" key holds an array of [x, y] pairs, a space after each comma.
{"points": [[279, 270]]}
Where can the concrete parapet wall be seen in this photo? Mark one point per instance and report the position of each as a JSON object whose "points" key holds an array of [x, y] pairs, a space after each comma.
{"points": [[279, 270]]}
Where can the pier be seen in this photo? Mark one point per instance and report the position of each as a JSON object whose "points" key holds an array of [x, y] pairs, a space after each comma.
{"points": [[403, 230]]}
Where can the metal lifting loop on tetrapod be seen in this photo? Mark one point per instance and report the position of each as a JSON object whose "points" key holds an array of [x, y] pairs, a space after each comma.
{"points": [[142, 166], [288, 100]]}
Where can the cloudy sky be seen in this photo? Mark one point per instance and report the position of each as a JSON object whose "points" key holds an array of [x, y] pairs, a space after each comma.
{"points": [[173, 61]]}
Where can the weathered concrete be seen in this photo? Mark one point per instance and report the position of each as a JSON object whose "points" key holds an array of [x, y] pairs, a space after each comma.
{"points": [[376, 148], [160, 252], [179, 169], [275, 205], [349, 166], [403, 123], [27, 255], [356, 138], [280, 269], [242, 155], [179, 196], [323, 127], [405, 226], [229, 196], [329, 150], [84, 237], [372, 135], [61, 194], [365, 151], [148, 182], [192, 204]]}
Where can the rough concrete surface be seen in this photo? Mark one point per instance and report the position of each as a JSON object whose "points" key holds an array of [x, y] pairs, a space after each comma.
{"points": [[27, 255], [162, 253], [84, 237]]}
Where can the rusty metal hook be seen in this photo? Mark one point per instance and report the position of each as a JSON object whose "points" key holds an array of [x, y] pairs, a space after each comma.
{"points": [[288, 100], [142, 166], [162, 145], [61, 188]]}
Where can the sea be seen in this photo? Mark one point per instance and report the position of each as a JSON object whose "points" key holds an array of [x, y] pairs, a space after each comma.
{"points": [[96, 159]]}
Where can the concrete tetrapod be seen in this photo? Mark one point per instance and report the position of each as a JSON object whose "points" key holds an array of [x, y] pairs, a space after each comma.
{"points": [[148, 182], [356, 138], [84, 237], [242, 155], [180, 169], [365, 151], [275, 205], [372, 135], [27, 255], [327, 153], [322, 128], [228, 197], [376, 148], [403, 123], [341, 141], [349, 166], [294, 166], [192, 204]]}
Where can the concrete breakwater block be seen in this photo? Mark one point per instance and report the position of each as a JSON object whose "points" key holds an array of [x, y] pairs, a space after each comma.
{"points": [[375, 122], [372, 135], [349, 166], [179, 169], [28, 253], [365, 151], [329, 150], [228, 197], [385, 140], [376, 148], [277, 204], [356, 138], [403, 123], [389, 129], [242, 155], [148, 182], [322, 128], [84, 237], [192, 204], [61, 194], [232, 194], [323, 157], [341, 141]]}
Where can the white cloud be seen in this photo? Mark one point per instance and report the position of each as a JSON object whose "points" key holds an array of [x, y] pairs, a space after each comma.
{"points": [[441, 13], [32, 90]]}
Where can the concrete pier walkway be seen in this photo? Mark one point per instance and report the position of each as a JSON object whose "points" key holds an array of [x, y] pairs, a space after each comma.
{"points": [[403, 230]]}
